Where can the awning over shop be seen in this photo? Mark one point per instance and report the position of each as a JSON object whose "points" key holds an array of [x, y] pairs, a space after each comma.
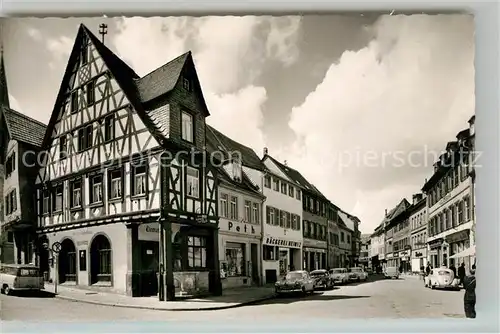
{"points": [[471, 251]]}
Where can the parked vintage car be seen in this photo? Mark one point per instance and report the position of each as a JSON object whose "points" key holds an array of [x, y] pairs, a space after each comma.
{"points": [[339, 275], [442, 278], [391, 272], [295, 281], [358, 274], [322, 279], [16, 277]]}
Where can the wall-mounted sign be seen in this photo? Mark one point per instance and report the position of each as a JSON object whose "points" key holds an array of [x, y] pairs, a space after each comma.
{"points": [[389, 256], [240, 227], [395, 254], [314, 243], [404, 253], [418, 254], [149, 232], [272, 241]]}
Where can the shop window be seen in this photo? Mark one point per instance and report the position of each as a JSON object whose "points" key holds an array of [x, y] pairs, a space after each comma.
{"points": [[235, 259], [101, 262], [269, 253], [197, 252]]}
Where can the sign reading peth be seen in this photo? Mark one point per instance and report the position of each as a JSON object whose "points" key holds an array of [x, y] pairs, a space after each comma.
{"points": [[231, 227]]}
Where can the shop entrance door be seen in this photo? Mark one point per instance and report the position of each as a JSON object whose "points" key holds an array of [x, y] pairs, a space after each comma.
{"points": [[255, 263]]}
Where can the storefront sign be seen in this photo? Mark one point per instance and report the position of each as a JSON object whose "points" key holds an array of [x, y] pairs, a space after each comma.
{"points": [[316, 250], [314, 243], [404, 254], [395, 254], [149, 232], [389, 256], [239, 227], [418, 254], [459, 236], [272, 241], [436, 243]]}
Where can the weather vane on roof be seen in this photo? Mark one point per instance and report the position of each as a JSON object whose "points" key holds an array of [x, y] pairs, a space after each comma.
{"points": [[103, 30]]}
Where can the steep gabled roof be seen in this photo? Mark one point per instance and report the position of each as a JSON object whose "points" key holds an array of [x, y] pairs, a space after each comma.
{"points": [[217, 141], [296, 177], [23, 128], [131, 84]]}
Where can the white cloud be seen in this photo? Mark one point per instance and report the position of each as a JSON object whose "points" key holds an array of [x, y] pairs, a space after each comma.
{"points": [[413, 85], [229, 53], [60, 48]]}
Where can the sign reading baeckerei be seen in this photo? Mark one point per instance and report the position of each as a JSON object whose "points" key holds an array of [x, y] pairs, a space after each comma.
{"points": [[272, 241]]}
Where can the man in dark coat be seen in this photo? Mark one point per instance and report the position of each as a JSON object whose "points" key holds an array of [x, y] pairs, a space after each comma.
{"points": [[454, 269], [428, 270], [461, 273], [470, 294]]}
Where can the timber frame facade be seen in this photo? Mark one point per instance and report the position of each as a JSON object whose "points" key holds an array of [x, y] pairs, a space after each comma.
{"points": [[125, 186]]}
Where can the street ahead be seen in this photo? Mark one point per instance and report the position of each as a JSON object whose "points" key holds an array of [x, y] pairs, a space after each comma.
{"points": [[403, 298]]}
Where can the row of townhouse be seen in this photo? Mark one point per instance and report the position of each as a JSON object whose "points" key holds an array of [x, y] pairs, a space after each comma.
{"points": [[141, 197], [438, 227]]}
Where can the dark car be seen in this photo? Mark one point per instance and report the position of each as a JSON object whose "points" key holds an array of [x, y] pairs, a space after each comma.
{"points": [[322, 279], [295, 281]]}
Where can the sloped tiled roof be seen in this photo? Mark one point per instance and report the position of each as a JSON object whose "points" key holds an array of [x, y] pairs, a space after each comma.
{"points": [[23, 128], [296, 177], [162, 80], [217, 141]]}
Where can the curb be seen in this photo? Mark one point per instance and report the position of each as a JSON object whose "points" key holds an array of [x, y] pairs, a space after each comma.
{"points": [[213, 308]]}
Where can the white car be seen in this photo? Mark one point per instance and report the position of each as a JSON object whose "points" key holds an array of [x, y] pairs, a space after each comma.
{"points": [[442, 278], [360, 274], [339, 275]]}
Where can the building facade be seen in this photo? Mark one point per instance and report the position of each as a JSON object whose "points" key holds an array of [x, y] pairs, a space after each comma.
{"points": [[377, 246], [334, 251], [401, 242], [365, 251], [20, 141], [418, 235], [345, 244], [240, 213], [282, 236], [450, 203], [125, 188]]}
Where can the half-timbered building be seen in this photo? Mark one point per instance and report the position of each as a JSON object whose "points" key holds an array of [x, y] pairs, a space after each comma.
{"points": [[20, 141], [125, 187], [240, 212]]}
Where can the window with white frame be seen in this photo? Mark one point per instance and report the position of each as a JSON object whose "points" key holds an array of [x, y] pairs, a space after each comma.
{"points": [[223, 210], [255, 213], [115, 184], [233, 208], [283, 188], [298, 194], [248, 212], [46, 202], [468, 211], [267, 181], [276, 184], [139, 178], [291, 191], [187, 126], [270, 219], [95, 189], [460, 212], [193, 182], [76, 194], [58, 198]]}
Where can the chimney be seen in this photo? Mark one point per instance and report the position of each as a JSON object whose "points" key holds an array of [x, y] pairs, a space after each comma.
{"points": [[265, 151]]}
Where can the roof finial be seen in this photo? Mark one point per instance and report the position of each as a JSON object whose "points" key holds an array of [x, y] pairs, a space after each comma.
{"points": [[103, 30]]}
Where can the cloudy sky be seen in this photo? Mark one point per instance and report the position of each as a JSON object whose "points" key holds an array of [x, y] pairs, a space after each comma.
{"points": [[359, 104]]}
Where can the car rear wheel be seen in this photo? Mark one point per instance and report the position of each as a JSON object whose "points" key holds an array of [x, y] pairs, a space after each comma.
{"points": [[6, 290]]}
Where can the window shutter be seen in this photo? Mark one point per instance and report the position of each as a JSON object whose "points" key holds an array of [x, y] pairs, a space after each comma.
{"points": [[14, 200], [268, 215]]}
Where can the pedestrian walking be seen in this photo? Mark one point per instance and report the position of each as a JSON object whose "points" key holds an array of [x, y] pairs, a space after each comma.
{"points": [[461, 273], [470, 294], [428, 270], [454, 269]]}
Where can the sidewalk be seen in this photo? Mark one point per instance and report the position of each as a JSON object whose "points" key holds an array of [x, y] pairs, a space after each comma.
{"points": [[230, 298]]}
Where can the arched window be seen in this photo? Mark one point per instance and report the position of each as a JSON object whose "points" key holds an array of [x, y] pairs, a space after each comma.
{"points": [[101, 262]]}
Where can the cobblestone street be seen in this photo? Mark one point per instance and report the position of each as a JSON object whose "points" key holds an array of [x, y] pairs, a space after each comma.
{"points": [[403, 298]]}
